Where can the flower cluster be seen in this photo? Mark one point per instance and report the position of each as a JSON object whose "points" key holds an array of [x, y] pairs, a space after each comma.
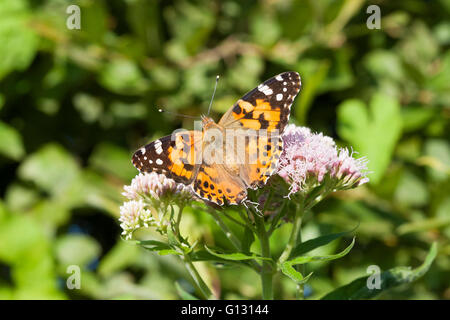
{"points": [[134, 215], [309, 158], [158, 188], [146, 191]]}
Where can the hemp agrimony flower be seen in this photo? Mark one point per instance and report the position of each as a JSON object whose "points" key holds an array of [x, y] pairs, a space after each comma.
{"points": [[158, 189], [309, 158], [150, 192], [133, 216]]}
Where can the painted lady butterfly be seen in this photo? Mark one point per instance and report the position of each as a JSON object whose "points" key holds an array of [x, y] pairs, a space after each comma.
{"points": [[190, 157]]}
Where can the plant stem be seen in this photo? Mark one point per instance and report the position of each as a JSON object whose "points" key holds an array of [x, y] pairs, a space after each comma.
{"points": [[197, 278], [266, 270], [201, 285], [293, 238]]}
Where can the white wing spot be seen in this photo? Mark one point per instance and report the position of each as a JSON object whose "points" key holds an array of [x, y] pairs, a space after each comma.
{"points": [[284, 89], [143, 150], [158, 148], [279, 96], [159, 162], [145, 158], [279, 78], [266, 90]]}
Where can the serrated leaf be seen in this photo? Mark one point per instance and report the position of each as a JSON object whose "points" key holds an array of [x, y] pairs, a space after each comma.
{"points": [[358, 288]]}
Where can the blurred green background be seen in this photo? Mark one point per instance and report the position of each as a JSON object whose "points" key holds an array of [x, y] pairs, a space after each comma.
{"points": [[75, 104]]}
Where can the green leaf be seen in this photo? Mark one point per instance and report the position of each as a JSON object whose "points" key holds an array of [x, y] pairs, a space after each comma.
{"points": [[52, 168], [19, 41], [373, 132], [123, 76], [424, 225], [417, 117], [288, 269], [152, 245], [313, 74], [312, 244], [296, 276], [358, 289], [437, 159], [411, 190], [77, 249], [119, 257], [203, 255], [237, 256], [11, 144], [114, 160], [306, 259]]}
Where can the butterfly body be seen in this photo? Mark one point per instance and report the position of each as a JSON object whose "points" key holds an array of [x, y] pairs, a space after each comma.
{"points": [[224, 159]]}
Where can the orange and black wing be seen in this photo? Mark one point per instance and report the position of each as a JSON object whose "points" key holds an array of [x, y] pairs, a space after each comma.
{"points": [[268, 106], [176, 156]]}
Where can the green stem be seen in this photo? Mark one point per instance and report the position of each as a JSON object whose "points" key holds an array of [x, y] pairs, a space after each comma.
{"points": [[295, 239], [201, 285], [266, 273]]}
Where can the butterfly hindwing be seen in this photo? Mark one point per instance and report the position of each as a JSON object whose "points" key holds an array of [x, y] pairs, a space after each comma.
{"points": [[215, 184], [265, 107], [268, 150]]}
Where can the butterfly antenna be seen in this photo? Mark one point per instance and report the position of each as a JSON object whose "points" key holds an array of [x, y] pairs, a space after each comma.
{"points": [[214, 92], [178, 114]]}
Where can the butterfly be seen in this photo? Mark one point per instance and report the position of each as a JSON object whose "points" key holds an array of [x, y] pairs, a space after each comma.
{"points": [[222, 160]]}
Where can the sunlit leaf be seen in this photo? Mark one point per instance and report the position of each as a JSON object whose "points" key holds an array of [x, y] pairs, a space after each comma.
{"points": [[358, 289]]}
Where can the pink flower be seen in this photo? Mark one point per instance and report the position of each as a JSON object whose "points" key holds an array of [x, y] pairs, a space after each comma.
{"points": [[157, 187], [308, 158]]}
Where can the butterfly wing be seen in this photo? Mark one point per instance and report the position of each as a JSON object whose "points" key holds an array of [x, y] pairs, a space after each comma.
{"points": [[214, 183], [268, 106], [176, 156], [264, 153]]}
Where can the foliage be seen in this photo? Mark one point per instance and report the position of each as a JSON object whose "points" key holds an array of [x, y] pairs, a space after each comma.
{"points": [[75, 104]]}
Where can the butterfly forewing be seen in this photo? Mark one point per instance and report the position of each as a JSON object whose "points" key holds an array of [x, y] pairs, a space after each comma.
{"points": [[267, 106], [177, 156]]}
